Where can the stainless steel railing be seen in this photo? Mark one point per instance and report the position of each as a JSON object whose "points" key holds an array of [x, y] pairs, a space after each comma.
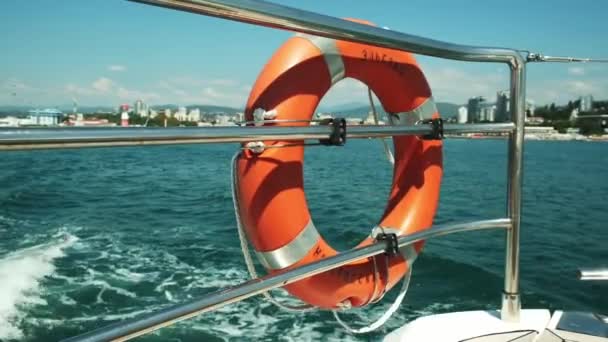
{"points": [[593, 274], [141, 325], [282, 17], [51, 138]]}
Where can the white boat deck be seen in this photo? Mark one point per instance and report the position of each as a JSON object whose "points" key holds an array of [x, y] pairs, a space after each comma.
{"points": [[486, 326]]}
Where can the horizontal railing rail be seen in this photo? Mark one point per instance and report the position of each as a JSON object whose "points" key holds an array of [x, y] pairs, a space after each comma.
{"points": [[593, 274], [283, 17], [149, 322], [288, 18], [53, 138]]}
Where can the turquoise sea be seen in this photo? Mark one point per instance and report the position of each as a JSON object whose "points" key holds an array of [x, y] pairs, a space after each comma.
{"points": [[90, 237]]}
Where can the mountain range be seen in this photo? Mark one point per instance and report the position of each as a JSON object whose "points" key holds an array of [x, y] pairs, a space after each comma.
{"points": [[446, 109], [352, 109]]}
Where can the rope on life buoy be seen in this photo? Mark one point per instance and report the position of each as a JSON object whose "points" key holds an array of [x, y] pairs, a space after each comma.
{"points": [[306, 307], [245, 246]]}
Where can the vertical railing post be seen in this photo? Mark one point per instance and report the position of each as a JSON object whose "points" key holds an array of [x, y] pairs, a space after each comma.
{"points": [[511, 304]]}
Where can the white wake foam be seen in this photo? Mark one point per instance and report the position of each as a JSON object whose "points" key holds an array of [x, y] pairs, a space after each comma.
{"points": [[20, 275]]}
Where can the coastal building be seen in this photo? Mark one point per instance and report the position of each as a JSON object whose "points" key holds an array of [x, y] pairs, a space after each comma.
{"points": [[462, 115], [585, 103], [323, 116], [530, 107], [45, 117], [503, 113], [370, 120], [153, 114], [487, 112], [574, 114], [81, 122], [181, 114], [474, 108], [140, 108], [168, 113], [11, 121], [240, 117], [194, 115], [222, 120], [534, 120], [353, 121]]}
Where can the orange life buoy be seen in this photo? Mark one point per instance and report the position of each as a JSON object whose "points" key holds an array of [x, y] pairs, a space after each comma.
{"points": [[270, 191]]}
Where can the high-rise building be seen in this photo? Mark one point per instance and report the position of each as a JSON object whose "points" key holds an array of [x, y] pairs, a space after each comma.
{"points": [[181, 114], [487, 112], [194, 115], [240, 117], [168, 113], [462, 115], [474, 108], [530, 108], [503, 113], [586, 103], [138, 106]]}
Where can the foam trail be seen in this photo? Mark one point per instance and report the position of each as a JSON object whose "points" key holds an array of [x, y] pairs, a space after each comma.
{"points": [[20, 275]]}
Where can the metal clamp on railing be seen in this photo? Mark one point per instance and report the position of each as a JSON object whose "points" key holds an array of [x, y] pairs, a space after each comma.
{"points": [[337, 137], [436, 129], [392, 243]]}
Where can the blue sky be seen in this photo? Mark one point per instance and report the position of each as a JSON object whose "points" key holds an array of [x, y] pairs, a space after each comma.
{"points": [[107, 52]]}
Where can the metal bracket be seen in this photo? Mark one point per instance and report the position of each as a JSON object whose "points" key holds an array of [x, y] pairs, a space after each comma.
{"points": [[392, 243], [337, 137], [437, 129], [539, 57]]}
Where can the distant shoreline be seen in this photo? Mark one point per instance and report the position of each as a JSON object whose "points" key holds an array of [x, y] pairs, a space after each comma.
{"points": [[536, 137]]}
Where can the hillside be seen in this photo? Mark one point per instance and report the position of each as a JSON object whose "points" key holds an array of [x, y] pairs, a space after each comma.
{"points": [[446, 110]]}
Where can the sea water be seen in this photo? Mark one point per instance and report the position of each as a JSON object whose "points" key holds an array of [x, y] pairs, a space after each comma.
{"points": [[90, 237]]}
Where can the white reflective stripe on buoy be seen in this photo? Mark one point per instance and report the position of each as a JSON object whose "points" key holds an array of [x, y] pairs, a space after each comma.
{"points": [[425, 111], [329, 50], [292, 252]]}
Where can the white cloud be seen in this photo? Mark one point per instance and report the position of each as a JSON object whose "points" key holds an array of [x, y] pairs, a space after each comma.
{"points": [[455, 85], [346, 91], [131, 95], [105, 90], [581, 87], [223, 82], [211, 92], [73, 89], [561, 91], [117, 67], [450, 82], [103, 84], [15, 84], [180, 92], [192, 90], [576, 71]]}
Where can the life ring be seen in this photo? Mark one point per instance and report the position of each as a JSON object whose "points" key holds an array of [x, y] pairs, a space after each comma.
{"points": [[269, 183]]}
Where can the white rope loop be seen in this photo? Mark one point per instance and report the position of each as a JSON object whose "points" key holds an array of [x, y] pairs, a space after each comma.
{"points": [[245, 247], [387, 149], [390, 311], [386, 315], [306, 307]]}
